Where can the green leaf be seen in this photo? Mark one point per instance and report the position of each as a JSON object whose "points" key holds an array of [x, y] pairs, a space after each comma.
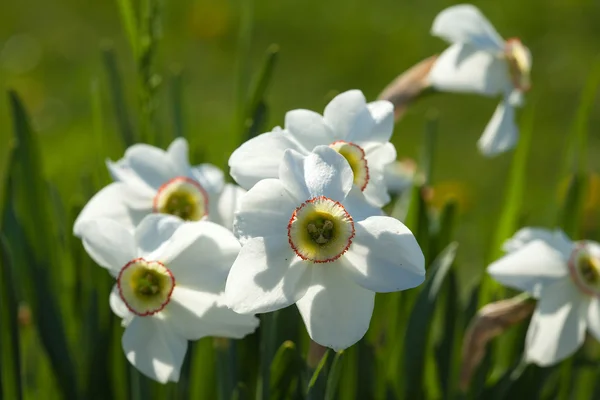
{"points": [[10, 357], [316, 387], [117, 96], [176, 97], [285, 371], [417, 331], [242, 61], [335, 373], [129, 22], [226, 358], [268, 341]]}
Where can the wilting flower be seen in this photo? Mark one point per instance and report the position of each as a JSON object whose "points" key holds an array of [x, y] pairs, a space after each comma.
{"points": [[357, 130], [151, 180], [565, 278], [170, 277], [307, 238], [480, 61]]}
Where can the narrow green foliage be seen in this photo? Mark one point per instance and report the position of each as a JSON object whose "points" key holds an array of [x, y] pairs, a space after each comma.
{"points": [[417, 331], [428, 150], [129, 22], [508, 223], [285, 371], [226, 357], [242, 67], [117, 96], [268, 343], [318, 378], [176, 101], [256, 108], [333, 380], [10, 357]]}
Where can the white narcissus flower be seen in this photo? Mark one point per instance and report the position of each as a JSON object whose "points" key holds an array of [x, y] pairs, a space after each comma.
{"points": [[357, 130], [565, 278], [480, 61], [399, 175], [151, 180], [170, 278], [307, 240]]}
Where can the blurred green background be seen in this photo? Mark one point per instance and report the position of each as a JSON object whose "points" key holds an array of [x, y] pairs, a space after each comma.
{"points": [[50, 53]]}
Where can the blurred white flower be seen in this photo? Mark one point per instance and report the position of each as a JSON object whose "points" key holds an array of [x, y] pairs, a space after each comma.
{"points": [[309, 238], [151, 180], [170, 278], [357, 130], [565, 278], [480, 61], [399, 175]]}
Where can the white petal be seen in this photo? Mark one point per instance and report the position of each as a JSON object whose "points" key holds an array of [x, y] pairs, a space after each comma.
{"points": [[554, 238], [154, 349], [228, 202], [266, 276], [593, 317], [376, 191], [349, 117], [196, 314], [259, 157], [308, 128], [557, 327], [530, 268], [178, 152], [501, 134], [110, 244], [121, 171], [382, 112], [154, 231], [151, 164], [324, 172], [358, 207], [384, 256], [118, 202], [211, 178], [465, 69], [118, 306], [335, 310], [204, 264], [264, 210], [380, 154], [464, 23], [398, 176]]}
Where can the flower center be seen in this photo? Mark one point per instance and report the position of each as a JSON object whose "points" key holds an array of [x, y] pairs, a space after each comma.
{"points": [[355, 156], [519, 63], [145, 286], [320, 230], [182, 197], [585, 270]]}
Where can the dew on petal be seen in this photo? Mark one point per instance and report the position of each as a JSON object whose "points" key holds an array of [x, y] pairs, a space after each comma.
{"points": [[320, 230], [145, 286], [182, 197]]}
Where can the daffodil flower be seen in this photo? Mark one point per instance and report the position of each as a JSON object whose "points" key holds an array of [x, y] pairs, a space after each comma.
{"points": [[480, 61], [170, 278], [150, 180], [565, 278], [357, 130], [307, 240]]}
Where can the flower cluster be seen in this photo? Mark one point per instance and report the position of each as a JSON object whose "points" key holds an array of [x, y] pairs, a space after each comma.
{"points": [[194, 257]]}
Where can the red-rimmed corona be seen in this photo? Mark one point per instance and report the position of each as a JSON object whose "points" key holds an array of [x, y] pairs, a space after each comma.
{"points": [[182, 197], [355, 155], [145, 286], [585, 270], [320, 230], [519, 63]]}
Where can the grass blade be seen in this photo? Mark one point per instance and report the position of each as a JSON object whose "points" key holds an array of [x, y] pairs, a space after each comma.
{"points": [[417, 331], [10, 374], [335, 373], [117, 95], [285, 371], [129, 22]]}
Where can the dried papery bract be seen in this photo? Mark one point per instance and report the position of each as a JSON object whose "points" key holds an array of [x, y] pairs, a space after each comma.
{"points": [[408, 86], [491, 321]]}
